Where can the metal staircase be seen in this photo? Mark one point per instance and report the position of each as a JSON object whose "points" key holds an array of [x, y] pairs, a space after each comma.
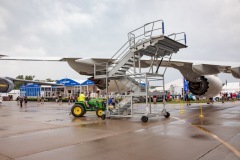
{"points": [[125, 66]]}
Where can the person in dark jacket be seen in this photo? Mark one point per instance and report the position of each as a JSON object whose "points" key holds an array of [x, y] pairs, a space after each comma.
{"points": [[25, 99], [21, 101]]}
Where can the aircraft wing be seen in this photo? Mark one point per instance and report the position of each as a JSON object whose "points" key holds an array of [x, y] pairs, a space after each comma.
{"points": [[4, 57], [32, 81], [190, 69], [197, 68]]}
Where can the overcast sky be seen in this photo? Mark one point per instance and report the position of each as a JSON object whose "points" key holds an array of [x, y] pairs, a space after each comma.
{"points": [[98, 28]]}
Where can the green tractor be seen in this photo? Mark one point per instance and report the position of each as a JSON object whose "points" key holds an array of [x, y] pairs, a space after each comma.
{"points": [[95, 104]]}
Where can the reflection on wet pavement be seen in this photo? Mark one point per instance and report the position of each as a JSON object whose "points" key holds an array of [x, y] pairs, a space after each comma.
{"points": [[47, 131]]}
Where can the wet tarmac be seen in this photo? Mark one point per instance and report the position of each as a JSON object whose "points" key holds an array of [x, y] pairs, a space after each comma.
{"points": [[47, 131]]}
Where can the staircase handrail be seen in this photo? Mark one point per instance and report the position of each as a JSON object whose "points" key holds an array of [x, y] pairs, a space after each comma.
{"points": [[117, 55], [117, 52], [175, 35], [132, 37]]}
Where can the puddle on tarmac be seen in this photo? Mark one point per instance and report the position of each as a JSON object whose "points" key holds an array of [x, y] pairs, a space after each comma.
{"points": [[27, 110], [2, 129], [4, 115], [55, 120], [200, 136]]}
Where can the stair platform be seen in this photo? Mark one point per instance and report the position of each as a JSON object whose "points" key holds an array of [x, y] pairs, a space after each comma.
{"points": [[163, 45]]}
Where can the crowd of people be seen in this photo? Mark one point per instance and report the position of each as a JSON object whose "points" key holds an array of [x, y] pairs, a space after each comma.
{"points": [[85, 96], [225, 96]]}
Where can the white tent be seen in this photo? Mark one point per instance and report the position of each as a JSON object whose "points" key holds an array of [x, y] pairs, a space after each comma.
{"points": [[173, 86], [231, 87]]}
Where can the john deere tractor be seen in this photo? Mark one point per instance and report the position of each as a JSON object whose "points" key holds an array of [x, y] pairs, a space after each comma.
{"points": [[94, 104]]}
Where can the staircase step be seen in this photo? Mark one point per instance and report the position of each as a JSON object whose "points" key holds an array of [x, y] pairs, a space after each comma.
{"points": [[136, 56], [132, 59], [129, 63], [123, 69], [119, 73], [126, 66]]}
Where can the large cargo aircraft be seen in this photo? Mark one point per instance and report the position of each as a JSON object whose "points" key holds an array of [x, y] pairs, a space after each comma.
{"points": [[147, 47], [201, 76]]}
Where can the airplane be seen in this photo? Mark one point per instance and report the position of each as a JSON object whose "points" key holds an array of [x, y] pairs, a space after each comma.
{"points": [[148, 41], [7, 83], [202, 77], [147, 47]]}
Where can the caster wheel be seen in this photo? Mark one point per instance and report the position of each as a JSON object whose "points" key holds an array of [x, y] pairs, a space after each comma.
{"points": [[103, 117], [168, 115], [144, 119]]}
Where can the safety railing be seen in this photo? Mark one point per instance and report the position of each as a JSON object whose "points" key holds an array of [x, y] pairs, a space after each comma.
{"points": [[100, 69], [137, 36], [146, 31], [179, 37]]}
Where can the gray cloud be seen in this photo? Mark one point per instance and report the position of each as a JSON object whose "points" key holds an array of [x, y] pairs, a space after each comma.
{"points": [[98, 28]]}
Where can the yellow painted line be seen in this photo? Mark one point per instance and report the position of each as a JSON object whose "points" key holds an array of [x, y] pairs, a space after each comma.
{"points": [[234, 150]]}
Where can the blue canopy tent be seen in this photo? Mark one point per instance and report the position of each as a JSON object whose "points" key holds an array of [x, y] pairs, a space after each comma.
{"points": [[70, 86], [87, 83], [68, 82], [77, 85]]}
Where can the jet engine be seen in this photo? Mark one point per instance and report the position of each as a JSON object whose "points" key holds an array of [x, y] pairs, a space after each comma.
{"points": [[6, 85], [100, 83], [205, 86], [113, 85]]}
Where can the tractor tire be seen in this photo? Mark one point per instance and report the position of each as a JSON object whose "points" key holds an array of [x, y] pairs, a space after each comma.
{"points": [[99, 112], [78, 110]]}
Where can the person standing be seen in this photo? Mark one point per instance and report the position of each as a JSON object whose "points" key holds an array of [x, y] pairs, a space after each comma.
{"points": [[234, 95], [25, 101], [21, 101], [69, 100], [154, 99], [187, 98], [1, 99], [60, 98], [38, 99], [42, 100], [223, 97]]}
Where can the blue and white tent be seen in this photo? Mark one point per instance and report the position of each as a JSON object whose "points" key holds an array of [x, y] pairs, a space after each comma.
{"points": [[72, 82], [68, 82], [87, 83]]}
